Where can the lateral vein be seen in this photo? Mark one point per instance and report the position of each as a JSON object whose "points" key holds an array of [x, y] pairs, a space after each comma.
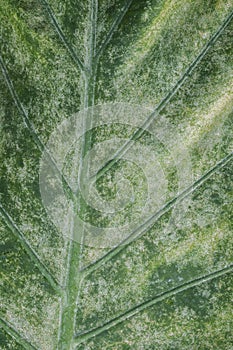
{"points": [[81, 337], [62, 37], [31, 128], [159, 108], [139, 231], [16, 335], [29, 249], [115, 25]]}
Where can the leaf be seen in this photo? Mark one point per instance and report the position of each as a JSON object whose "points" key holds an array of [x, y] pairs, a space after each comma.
{"points": [[108, 105]]}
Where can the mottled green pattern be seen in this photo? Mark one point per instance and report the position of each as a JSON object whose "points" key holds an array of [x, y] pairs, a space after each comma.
{"points": [[171, 287]]}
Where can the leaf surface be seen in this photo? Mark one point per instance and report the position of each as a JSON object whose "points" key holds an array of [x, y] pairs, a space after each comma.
{"points": [[167, 282]]}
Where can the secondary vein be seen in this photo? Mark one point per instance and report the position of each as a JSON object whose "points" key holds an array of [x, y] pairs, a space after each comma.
{"points": [[158, 298], [16, 335], [138, 232], [114, 27], [61, 35], [159, 108], [32, 129], [29, 249]]}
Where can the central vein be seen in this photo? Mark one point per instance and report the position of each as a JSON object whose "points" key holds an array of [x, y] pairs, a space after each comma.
{"points": [[74, 276]]}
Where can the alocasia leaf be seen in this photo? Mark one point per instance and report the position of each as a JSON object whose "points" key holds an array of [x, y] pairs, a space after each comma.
{"points": [[116, 174]]}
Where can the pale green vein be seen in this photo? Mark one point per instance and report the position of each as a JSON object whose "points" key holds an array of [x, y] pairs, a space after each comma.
{"points": [[29, 249], [31, 128], [63, 39], [20, 107], [149, 303], [114, 27], [159, 108], [16, 335], [138, 232], [73, 273]]}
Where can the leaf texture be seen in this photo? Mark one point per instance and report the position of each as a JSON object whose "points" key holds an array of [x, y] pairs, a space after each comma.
{"points": [[167, 283]]}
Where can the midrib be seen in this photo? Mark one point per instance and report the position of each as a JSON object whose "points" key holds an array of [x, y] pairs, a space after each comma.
{"points": [[74, 275]]}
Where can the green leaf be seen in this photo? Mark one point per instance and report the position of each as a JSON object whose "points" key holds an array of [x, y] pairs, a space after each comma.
{"points": [[116, 174]]}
